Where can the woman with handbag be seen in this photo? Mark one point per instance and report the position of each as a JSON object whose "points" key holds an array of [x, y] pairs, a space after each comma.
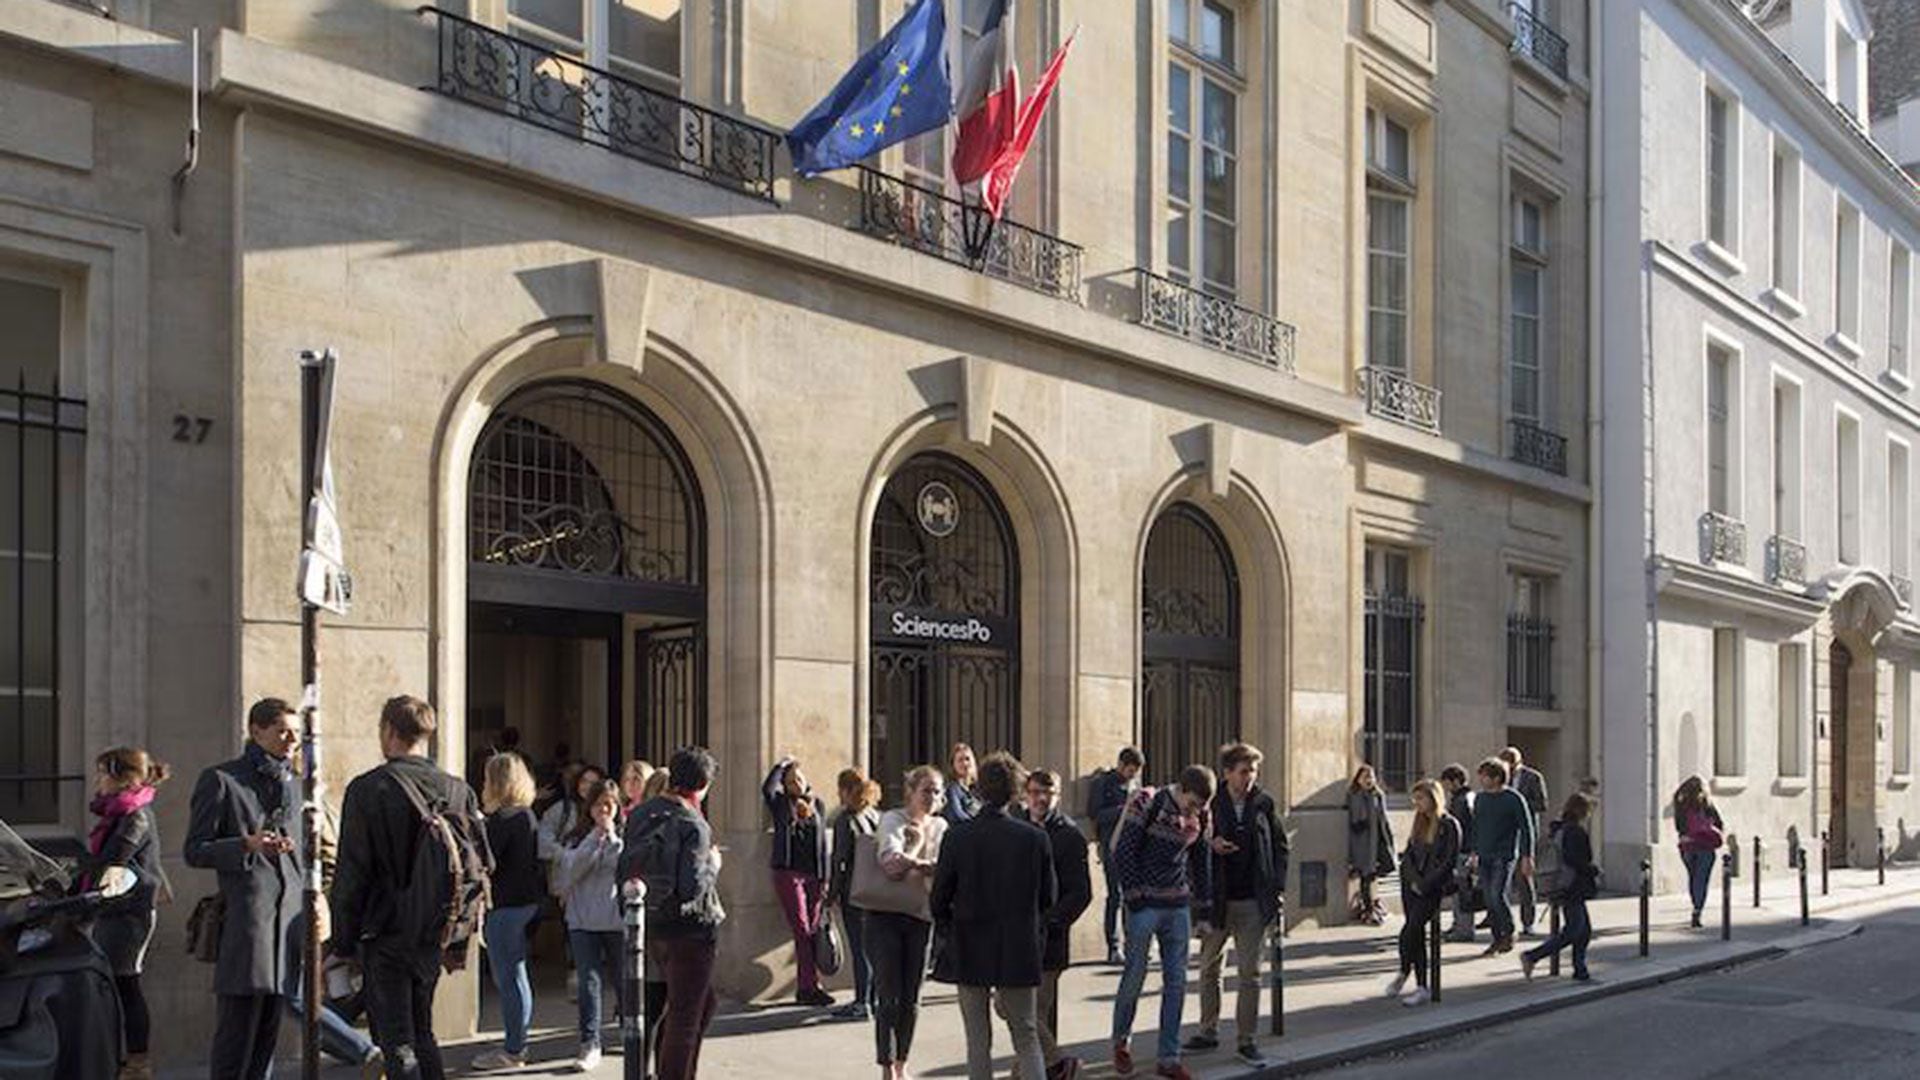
{"points": [[859, 815], [1701, 834], [891, 877], [126, 840], [1426, 876], [799, 865], [1368, 836]]}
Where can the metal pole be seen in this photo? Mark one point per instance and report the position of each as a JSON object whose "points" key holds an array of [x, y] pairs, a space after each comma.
{"points": [[1756, 869], [310, 377], [1276, 976], [1646, 903], [1805, 912], [1726, 895], [1880, 841], [1433, 957], [1826, 861], [1553, 931], [633, 1006]]}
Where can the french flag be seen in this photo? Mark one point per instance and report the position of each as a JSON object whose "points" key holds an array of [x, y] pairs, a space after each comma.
{"points": [[989, 105]]}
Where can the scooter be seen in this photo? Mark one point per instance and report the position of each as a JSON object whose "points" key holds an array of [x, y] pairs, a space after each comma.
{"points": [[59, 1013]]}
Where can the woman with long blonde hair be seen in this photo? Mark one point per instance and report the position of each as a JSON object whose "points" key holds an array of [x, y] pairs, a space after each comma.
{"points": [[518, 891], [1426, 876]]}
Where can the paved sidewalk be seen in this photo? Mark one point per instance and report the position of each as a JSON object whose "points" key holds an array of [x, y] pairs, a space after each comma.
{"points": [[1334, 982]]}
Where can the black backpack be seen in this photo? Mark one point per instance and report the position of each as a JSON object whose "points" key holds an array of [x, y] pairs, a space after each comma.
{"points": [[653, 856], [448, 888]]}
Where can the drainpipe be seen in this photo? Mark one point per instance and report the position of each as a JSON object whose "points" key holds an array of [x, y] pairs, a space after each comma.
{"points": [[1596, 199]]}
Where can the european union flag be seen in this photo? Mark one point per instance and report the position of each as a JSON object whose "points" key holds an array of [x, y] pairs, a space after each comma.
{"points": [[896, 91]]}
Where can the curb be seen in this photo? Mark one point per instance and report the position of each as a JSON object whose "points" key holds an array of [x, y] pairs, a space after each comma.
{"points": [[1344, 1050]]}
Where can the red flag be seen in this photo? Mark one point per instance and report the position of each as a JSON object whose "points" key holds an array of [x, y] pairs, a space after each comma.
{"points": [[989, 103], [999, 182]]}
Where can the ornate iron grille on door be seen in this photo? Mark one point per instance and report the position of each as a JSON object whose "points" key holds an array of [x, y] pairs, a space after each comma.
{"points": [[945, 593], [1190, 625]]}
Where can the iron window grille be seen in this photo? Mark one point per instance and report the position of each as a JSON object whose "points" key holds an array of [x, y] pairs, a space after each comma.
{"points": [[1393, 634], [1529, 662]]}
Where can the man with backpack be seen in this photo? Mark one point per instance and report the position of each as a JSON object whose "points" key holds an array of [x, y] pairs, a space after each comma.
{"points": [[669, 846], [1106, 799], [411, 887]]}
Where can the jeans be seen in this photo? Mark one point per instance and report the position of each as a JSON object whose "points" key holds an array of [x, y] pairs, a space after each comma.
{"points": [[854, 921], [1113, 900], [688, 965], [897, 948], [399, 990], [1248, 930], [1172, 927], [595, 954], [1462, 908], [1414, 932], [1017, 1005], [506, 938], [246, 1027], [338, 1038], [1496, 875], [1699, 876], [799, 896], [1576, 929]]}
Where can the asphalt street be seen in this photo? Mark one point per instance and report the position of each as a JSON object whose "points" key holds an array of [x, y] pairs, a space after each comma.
{"points": [[1849, 1009]]}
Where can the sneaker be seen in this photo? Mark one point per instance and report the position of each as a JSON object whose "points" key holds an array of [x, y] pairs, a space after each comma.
{"points": [[1172, 1070], [852, 1010], [1201, 1041], [1527, 960], [1396, 984], [1417, 996], [815, 998], [374, 1065], [1122, 1060], [588, 1060], [1249, 1054], [495, 1060]]}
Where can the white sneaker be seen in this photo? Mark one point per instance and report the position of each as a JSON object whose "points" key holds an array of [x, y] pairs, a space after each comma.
{"points": [[1395, 985], [1417, 996], [497, 1060], [588, 1060]]}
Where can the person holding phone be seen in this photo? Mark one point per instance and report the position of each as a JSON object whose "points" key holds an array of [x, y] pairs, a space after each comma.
{"points": [[1250, 855]]}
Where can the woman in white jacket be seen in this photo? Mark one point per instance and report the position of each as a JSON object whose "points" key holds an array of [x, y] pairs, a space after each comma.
{"points": [[586, 875]]}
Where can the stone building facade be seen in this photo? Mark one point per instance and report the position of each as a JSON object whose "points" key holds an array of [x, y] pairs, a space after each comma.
{"points": [[1756, 497], [1263, 416]]}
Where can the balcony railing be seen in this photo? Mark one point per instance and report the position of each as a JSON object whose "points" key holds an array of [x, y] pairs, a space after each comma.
{"points": [[1536, 446], [530, 82], [965, 234], [1722, 539], [1218, 323], [1537, 41], [1529, 662], [1786, 560], [1395, 397], [1903, 588]]}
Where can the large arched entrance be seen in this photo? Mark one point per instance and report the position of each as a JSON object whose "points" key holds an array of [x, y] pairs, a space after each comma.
{"points": [[1190, 656], [586, 581], [1840, 688], [945, 587]]}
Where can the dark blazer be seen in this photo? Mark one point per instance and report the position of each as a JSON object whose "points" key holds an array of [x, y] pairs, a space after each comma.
{"points": [[1460, 805], [378, 830], [773, 792], [1426, 870], [991, 890], [1576, 854], [1260, 833], [1532, 787], [133, 842], [1104, 804], [1075, 884], [695, 912], [262, 892]]}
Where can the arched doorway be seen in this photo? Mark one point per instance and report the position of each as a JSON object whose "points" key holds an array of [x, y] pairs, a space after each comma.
{"points": [[1190, 656], [586, 581], [1840, 688], [945, 591]]}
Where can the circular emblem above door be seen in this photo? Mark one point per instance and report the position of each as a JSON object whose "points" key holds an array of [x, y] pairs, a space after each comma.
{"points": [[938, 509]]}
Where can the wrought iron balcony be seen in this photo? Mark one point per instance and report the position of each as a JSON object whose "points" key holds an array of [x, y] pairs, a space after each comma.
{"points": [[1903, 588], [530, 82], [964, 233], [1537, 41], [1722, 539], [1786, 560], [1536, 446], [1218, 323], [1395, 397]]}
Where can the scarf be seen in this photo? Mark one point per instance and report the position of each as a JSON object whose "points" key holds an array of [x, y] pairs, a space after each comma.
{"points": [[111, 808], [279, 770]]}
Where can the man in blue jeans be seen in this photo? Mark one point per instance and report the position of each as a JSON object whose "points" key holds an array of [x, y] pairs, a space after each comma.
{"points": [[1501, 842], [1160, 857]]}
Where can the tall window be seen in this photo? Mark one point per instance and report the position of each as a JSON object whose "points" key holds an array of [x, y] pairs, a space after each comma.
{"points": [[1530, 634], [1394, 616], [1899, 502], [1527, 274], [1786, 219], [1721, 424], [1846, 482], [1791, 709], [1786, 459], [1902, 720], [1899, 309], [1722, 166], [1846, 272], [1846, 72], [639, 39], [1390, 191], [1203, 110], [924, 157], [1726, 702]]}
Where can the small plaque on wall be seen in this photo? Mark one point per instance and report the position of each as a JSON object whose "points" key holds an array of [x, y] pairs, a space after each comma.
{"points": [[1313, 884]]}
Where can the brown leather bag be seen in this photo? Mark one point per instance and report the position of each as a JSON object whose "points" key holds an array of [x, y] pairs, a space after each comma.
{"points": [[203, 928]]}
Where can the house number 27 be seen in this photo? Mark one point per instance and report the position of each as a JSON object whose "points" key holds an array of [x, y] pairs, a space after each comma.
{"points": [[191, 429]]}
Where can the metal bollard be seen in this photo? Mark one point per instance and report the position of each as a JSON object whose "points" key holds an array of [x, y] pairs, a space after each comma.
{"points": [[1880, 843], [633, 997], [1756, 869], [1826, 861], [1805, 912], [1646, 903], [1276, 975], [1553, 931], [1433, 958], [1726, 895]]}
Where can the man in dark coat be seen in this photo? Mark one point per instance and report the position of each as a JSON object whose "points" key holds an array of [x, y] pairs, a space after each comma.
{"points": [[1453, 780], [1532, 787], [379, 828], [243, 816], [1250, 855], [992, 889], [1104, 804], [1076, 895]]}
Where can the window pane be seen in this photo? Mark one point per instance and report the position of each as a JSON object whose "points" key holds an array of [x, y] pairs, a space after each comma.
{"points": [[1526, 291], [1726, 702], [563, 17], [1396, 150], [1179, 98], [646, 32], [1716, 168], [1526, 392], [1217, 245], [1216, 34], [1179, 244], [1179, 168], [1718, 450], [1218, 109], [1179, 19], [1387, 340], [1788, 710], [30, 315], [1219, 181], [1387, 224]]}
